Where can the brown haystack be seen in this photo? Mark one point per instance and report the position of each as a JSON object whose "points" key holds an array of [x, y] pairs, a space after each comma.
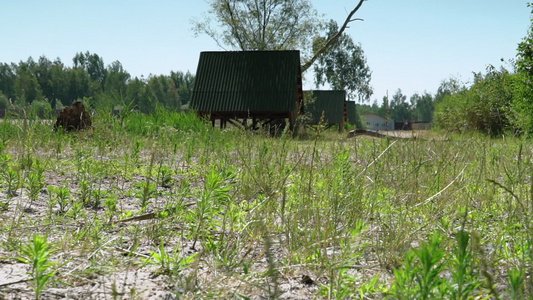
{"points": [[73, 118]]}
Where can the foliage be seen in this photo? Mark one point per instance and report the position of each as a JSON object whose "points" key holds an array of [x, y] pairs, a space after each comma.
{"points": [[162, 120], [448, 87], [171, 264], [485, 107], [261, 25], [419, 278], [213, 196], [37, 254], [4, 101], [26, 86], [423, 274], [525, 50], [523, 104], [400, 110], [270, 25], [422, 107], [41, 109], [344, 66], [45, 84], [60, 196], [462, 269], [183, 83], [450, 213], [7, 80]]}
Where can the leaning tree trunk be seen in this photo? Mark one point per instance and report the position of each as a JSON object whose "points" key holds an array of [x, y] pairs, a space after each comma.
{"points": [[334, 38]]}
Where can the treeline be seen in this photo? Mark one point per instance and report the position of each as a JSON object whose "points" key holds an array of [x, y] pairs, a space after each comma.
{"points": [[498, 102], [419, 108], [53, 85]]}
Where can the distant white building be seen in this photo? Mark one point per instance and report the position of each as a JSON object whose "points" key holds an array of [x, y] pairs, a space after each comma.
{"points": [[376, 122]]}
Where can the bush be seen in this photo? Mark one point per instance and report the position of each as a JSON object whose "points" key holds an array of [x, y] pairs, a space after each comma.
{"points": [[145, 124], [41, 109], [522, 107], [4, 102], [485, 107]]}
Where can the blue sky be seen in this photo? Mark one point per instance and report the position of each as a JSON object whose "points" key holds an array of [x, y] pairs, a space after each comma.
{"points": [[412, 45]]}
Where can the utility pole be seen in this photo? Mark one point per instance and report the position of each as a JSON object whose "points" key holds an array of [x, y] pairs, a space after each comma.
{"points": [[387, 112]]}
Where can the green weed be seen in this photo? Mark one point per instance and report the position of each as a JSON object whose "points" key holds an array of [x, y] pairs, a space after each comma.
{"points": [[420, 276], [35, 180], [214, 194], [37, 254], [516, 279], [263, 211], [171, 264], [60, 196]]}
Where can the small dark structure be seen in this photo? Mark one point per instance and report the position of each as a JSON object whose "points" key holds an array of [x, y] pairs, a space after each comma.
{"points": [[328, 107], [237, 86], [416, 125], [73, 118], [351, 115]]}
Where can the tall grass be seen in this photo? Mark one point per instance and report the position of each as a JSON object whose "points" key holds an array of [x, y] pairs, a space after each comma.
{"points": [[224, 213]]}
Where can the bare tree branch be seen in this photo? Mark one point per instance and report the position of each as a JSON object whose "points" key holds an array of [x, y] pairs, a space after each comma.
{"points": [[234, 28], [332, 40]]}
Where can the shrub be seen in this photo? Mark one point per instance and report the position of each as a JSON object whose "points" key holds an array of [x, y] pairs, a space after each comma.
{"points": [[485, 107], [4, 102]]}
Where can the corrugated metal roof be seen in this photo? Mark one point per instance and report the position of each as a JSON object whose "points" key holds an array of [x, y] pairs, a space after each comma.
{"points": [[330, 103], [247, 81], [350, 110]]}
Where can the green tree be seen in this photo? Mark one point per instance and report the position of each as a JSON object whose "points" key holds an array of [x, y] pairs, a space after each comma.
{"points": [[448, 87], [136, 94], [400, 111], [268, 25], [78, 87], [161, 90], [7, 80], [423, 107], [116, 82], [261, 24], [366, 108], [184, 83], [27, 88], [485, 107], [59, 82], [94, 66], [43, 73], [525, 50], [523, 103], [384, 109], [344, 66], [4, 101]]}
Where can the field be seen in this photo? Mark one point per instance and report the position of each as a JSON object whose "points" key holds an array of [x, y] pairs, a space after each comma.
{"points": [[166, 207]]}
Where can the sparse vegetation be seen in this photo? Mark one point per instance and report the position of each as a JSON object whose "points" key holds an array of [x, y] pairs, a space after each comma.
{"points": [[37, 254], [178, 208]]}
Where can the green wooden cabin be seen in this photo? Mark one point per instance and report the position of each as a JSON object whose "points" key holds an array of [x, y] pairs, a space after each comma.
{"points": [[327, 107], [264, 87]]}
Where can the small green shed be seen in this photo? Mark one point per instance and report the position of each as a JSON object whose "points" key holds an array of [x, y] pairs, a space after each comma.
{"points": [[327, 108], [350, 112], [237, 86]]}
